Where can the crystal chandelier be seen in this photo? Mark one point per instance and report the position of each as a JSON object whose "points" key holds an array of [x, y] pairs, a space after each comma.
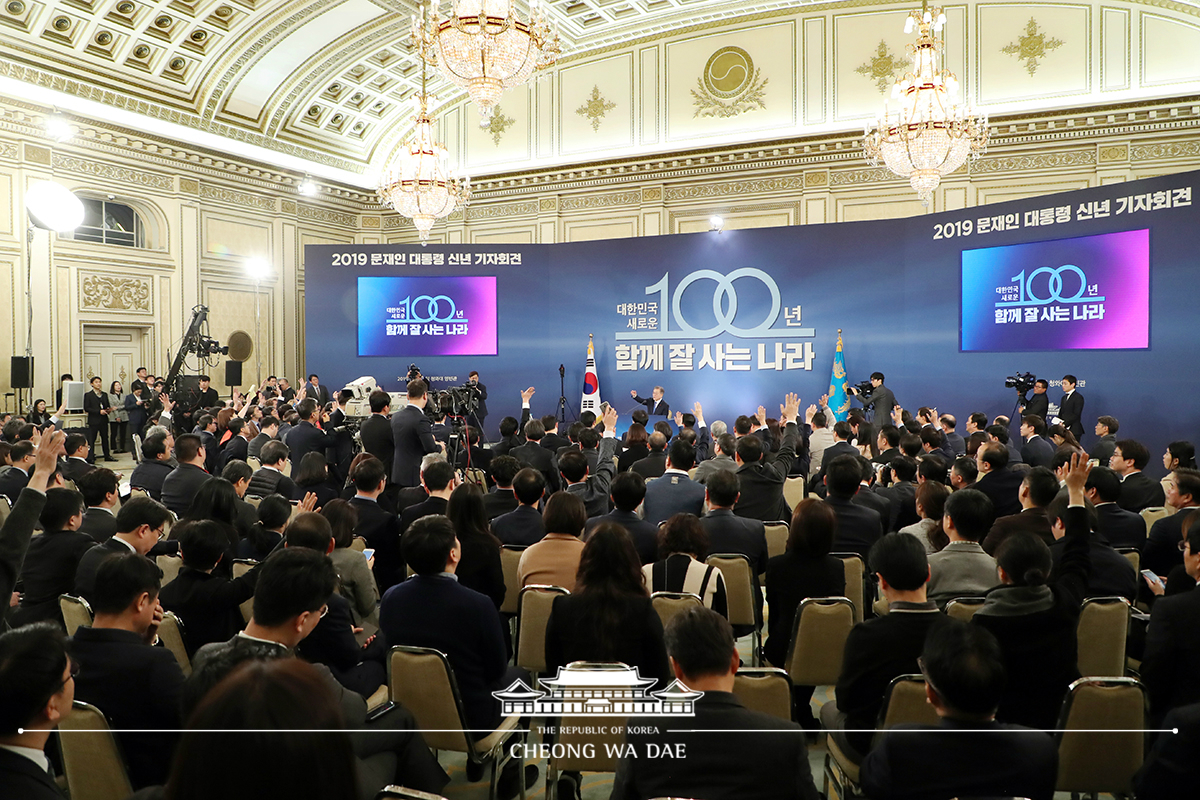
{"points": [[929, 135], [482, 46], [419, 183]]}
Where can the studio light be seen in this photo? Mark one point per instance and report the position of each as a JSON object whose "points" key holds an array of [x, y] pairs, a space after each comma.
{"points": [[58, 129], [258, 269], [716, 223], [308, 187], [53, 207]]}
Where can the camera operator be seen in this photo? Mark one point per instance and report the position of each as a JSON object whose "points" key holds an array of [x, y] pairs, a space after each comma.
{"points": [[477, 416], [414, 374], [880, 399], [1039, 404]]}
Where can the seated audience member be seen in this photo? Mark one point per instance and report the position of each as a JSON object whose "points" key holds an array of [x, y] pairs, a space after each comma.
{"points": [[729, 533], [15, 477], [859, 527], [655, 461], [268, 430], [356, 582], [379, 527], [761, 481], [180, 487], [269, 478], [866, 496], [217, 500], [101, 494], [962, 568], [237, 448], [1112, 574], [501, 499], [682, 546], [555, 559], [931, 505], [37, 687], [964, 681], [480, 567], [723, 461], [933, 468], [1162, 551], [238, 473], [637, 447], [292, 590], [78, 453], [52, 559], [313, 476], [881, 648], [432, 609], [804, 570], [765, 759], [1171, 762], [137, 686], [523, 525], [274, 511], [1000, 484], [901, 493], [1038, 488], [1106, 430], [1035, 618], [1172, 655], [1138, 490], [963, 472], [439, 481], [1120, 527], [837, 444], [998, 434], [674, 492], [206, 604], [627, 491], [154, 467], [532, 454], [1037, 450], [141, 522], [279, 700], [591, 483]]}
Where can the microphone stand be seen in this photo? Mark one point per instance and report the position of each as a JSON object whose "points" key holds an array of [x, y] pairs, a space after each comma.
{"points": [[562, 394]]}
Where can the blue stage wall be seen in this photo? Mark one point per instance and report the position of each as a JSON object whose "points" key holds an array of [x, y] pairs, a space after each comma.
{"points": [[893, 287]]}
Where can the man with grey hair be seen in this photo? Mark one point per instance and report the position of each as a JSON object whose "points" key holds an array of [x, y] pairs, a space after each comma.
{"points": [[718, 429], [723, 461], [655, 405]]}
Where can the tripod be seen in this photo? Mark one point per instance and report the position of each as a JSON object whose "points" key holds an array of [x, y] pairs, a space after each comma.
{"points": [[562, 395]]}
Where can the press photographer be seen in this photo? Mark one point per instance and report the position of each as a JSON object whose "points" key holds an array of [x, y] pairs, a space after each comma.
{"points": [[1022, 382], [877, 397]]}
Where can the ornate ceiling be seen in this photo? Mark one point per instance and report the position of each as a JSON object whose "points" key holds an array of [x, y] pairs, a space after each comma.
{"points": [[330, 83]]}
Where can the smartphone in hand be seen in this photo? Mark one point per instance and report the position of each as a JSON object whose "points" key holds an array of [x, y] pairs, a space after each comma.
{"points": [[368, 553]]}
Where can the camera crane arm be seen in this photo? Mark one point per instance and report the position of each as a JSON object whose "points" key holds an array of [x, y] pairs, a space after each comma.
{"points": [[190, 344]]}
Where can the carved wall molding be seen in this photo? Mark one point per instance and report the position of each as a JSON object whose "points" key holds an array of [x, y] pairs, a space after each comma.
{"points": [[762, 186], [104, 292], [1018, 163], [600, 200], [1147, 152], [113, 172], [325, 215], [235, 197], [9, 150], [852, 177], [503, 210]]}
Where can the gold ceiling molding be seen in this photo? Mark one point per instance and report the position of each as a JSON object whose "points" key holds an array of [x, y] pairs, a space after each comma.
{"points": [[595, 107], [325, 215], [725, 188], [370, 222], [600, 200], [1160, 150], [853, 177], [498, 124], [287, 206], [1032, 46], [37, 154], [189, 185], [233, 196], [9, 150], [112, 172], [882, 67], [500, 210], [1114, 153]]}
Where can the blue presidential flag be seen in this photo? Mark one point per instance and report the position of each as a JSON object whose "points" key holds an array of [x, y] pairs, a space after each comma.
{"points": [[839, 395]]}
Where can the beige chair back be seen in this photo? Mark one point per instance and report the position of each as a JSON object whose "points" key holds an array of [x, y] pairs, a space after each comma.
{"points": [[254, 463], [1153, 515], [253, 500], [295, 511], [1133, 556], [170, 566], [1101, 634], [422, 681], [137, 448], [5, 508], [170, 630], [819, 640], [855, 571], [739, 586], [533, 612], [1093, 762], [605, 744], [964, 608], [92, 760], [692, 472], [240, 567], [766, 690], [777, 536], [136, 491], [905, 703], [670, 604], [358, 543], [793, 491], [76, 612], [510, 560]]}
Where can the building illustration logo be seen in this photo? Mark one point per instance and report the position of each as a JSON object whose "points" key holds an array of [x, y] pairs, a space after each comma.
{"points": [[585, 689]]}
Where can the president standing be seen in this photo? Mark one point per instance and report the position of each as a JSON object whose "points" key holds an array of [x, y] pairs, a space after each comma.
{"points": [[412, 436], [655, 406], [1070, 410]]}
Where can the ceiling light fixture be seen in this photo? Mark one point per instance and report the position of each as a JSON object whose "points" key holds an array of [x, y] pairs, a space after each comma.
{"points": [[716, 223], [58, 128], [308, 187]]}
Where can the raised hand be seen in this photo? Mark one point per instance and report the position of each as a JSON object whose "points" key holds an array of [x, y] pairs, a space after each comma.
{"points": [[824, 401], [1077, 475], [761, 414], [633, 392], [46, 460], [791, 406], [308, 503], [528, 393], [167, 405], [698, 411], [610, 420], [809, 413], [679, 418]]}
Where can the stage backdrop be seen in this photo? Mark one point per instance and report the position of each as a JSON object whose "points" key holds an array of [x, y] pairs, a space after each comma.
{"points": [[1102, 283]]}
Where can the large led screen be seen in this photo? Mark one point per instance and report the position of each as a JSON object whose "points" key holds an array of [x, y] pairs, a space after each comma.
{"points": [[427, 316]]}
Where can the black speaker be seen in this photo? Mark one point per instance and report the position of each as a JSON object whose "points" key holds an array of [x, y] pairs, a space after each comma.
{"points": [[233, 373], [22, 372]]}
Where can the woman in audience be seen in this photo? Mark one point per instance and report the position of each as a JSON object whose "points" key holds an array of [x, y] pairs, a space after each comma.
{"points": [[270, 704], [931, 504], [223, 416], [357, 582], [274, 511], [217, 500], [1179, 454], [479, 568], [804, 570], [975, 441], [1062, 437], [313, 476], [118, 417], [38, 415], [682, 543], [637, 447]]}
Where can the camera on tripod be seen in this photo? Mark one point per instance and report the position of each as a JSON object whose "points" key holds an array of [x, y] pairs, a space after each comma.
{"points": [[1023, 382], [414, 372], [864, 387]]}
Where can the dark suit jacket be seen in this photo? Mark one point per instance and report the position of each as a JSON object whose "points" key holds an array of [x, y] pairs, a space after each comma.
{"points": [[412, 437], [838, 448], [480, 568], [631, 455], [254, 448], [149, 475], [137, 687], [438, 612], [958, 445], [207, 605], [427, 507], [869, 498], [1139, 491], [74, 468], [1030, 520], [21, 779], [594, 490], [93, 404], [925, 763], [49, 570], [532, 454], [1171, 660], [643, 533], [498, 502], [672, 494], [332, 642], [1070, 411], [1112, 575], [180, 487], [1171, 762], [85, 573], [99, 524], [523, 526], [1102, 450], [652, 465], [382, 532], [212, 454], [881, 400], [859, 527], [791, 578], [14, 540], [1161, 552], [15, 479], [1038, 405], [757, 763], [554, 441], [1120, 527], [319, 392], [571, 636], [306, 438], [236, 449], [762, 483], [654, 407], [729, 533], [1038, 452], [1002, 487], [902, 504]]}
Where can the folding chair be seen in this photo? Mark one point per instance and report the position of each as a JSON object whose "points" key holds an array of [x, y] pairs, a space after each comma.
{"points": [[76, 612], [253, 500], [137, 448], [510, 560], [170, 566], [240, 567], [777, 536], [1152, 515], [856, 572], [1133, 555], [794, 491], [739, 595], [1101, 634], [170, 631], [254, 463], [137, 491], [5, 508], [764, 689], [819, 640], [422, 680], [476, 476], [1090, 761], [964, 608], [604, 746], [533, 612], [92, 761], [669, 604]]}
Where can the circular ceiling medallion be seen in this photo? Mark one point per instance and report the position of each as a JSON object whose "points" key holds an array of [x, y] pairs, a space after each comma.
{"points": [[141, 51], [177, 64], [163, 22], [62, 24], [199, 35], [224, 11], [15, 7], [728, 72], [125, 8], [103, 38]]}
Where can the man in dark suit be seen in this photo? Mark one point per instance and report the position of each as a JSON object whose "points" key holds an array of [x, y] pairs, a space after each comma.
{"points": [[1039, 404], [655, 463], [238, 446], [52, 558], [18, 527], [206, 429], [1162, 553], [532, 454], [96, 404], [1111, 574], [137, 686], [268, 430], [900, 493], [155, 466], [1038, 488], [501, 499], [1171, 762], [23, 456], [412, 436], [729, 533], [880, 401], [100, 489], [553, 441], [379, 527], [306, 437], [655, 405], [592, 488], [480, 413], [1106, 430], [523, 525], [674, 492], [958, 445], [1120, 528], [859, 527], [376, 430], [867, 495], [759, 762], [1070, 410], [843, 432], [1037, 451], [761, 481], [1138, 490], [627, 492], [37, 688], [207, 397], [269, 479], [964, 683], [1171, 659], [997, 481], [315, 390], [135, 407], [180, 487], [438, 479]]}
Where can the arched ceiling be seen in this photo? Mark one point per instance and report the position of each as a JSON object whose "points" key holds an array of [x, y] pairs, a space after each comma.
{"points": [[329, 85]]}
